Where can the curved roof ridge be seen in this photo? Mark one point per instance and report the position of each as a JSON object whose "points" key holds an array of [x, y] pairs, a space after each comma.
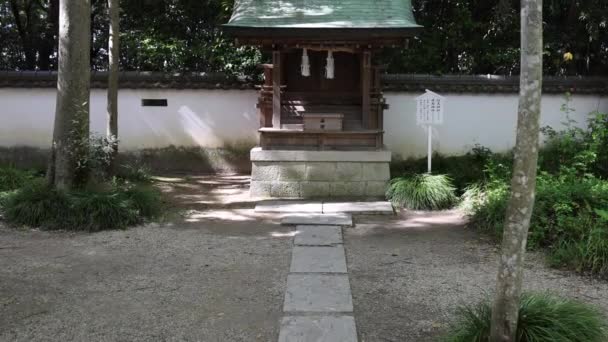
{"points": [[375, 14]]}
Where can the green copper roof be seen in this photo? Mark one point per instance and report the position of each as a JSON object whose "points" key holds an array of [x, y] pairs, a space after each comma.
{"points": [[323, 14]]}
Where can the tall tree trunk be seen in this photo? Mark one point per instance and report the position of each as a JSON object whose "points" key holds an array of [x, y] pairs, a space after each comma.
{"points": [[71, 130], [113, 66], [523, 183]]}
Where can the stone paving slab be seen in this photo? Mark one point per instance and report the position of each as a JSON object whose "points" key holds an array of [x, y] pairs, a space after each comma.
{"points": [[289, 207], [318, 235], [318, 329], [318, 219], [318, 293], [318, 259], [362, 208]]}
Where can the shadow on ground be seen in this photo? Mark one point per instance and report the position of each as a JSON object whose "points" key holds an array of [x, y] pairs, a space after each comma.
{"points": [[212, 198]]}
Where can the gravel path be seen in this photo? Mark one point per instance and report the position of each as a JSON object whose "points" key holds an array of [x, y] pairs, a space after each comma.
{"points": [[199, 282]]}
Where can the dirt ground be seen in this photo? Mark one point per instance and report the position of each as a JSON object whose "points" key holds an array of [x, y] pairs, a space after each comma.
{"points": [[408, 273], [217, 272]]}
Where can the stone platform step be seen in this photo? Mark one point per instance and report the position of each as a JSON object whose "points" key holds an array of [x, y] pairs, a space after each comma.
{"points": [[359, 208], [322, 207], [283, 206], [318, 219]]}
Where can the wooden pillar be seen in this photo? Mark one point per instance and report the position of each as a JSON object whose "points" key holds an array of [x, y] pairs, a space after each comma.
{"points": [[366, 83], [276, 89]]}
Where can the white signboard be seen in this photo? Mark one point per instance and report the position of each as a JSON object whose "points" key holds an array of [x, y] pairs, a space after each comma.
{"points": [[429, 108], [429, 112]]}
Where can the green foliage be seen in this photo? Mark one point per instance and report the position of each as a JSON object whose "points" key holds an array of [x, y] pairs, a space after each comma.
{"points": [[97, 160], [473, 37], [92, 209], [565, 220], [37, 205], [168, 35], [12, 178], [569, 219], [487, 204], [542, 318], [576, 150], [482, 37], [101, 210], [422, 191]]}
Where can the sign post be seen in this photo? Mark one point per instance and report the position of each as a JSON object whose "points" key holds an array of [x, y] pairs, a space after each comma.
{"points": [[429, 112]]}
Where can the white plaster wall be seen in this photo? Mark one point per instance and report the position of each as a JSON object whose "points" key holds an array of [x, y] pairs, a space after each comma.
{"points": [[469, 119], [212, 118], [207, 118]]}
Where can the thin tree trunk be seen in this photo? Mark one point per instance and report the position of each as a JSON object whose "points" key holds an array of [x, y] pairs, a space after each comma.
{"points": [[24, 29], [71, 130], [509, 280], [113, 66], [49, 42]]}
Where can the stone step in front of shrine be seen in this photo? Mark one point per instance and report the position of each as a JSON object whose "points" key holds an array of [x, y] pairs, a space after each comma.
{"points": [[325, 207]]}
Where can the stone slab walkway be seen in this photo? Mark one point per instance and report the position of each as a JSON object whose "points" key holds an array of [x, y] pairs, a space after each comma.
{"points": [[317, 235], [318, 303]]}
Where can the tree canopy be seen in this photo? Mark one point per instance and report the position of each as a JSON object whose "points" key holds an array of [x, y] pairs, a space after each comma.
{"points": [[460, 36]]}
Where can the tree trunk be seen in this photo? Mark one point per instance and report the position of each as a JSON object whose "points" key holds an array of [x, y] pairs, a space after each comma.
{"points": [[113, 66], [521, 202], [71, 131], [22, 13]]}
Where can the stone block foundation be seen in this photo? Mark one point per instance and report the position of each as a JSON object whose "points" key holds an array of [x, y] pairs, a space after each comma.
{"points": [[310, 174]]}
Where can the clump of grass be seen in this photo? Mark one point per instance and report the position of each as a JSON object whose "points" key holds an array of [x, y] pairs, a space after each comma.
{"points": [[422, 192], [135, 172], [146, 199], [12, 178], [35, 205], [486, 204], [92, 209], [96, 211], [542, 318]]}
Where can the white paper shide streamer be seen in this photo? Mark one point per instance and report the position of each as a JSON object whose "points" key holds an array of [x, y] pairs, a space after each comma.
{"points": [[305, 64], [329, 69]]}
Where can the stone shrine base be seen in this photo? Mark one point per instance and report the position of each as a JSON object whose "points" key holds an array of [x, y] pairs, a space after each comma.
{"points": [[309, 174]]}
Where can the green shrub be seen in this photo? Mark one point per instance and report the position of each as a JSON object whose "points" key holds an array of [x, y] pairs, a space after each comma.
{"points": [[146, 199], [12, 178], [486, 204], [422, 191], [565, 220], [112, 207], [582, 150], [95, 211], [542, 318], [37, 205], [584, 245], [135, 172]]}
